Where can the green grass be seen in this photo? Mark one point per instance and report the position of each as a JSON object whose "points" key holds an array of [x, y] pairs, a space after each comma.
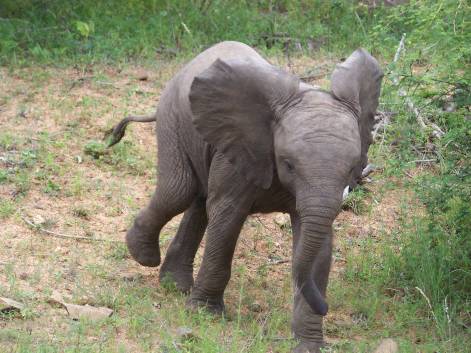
{"points": [[7, 208], [86, 31]]}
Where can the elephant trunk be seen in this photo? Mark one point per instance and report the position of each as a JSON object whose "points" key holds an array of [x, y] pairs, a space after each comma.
{"points": [[313, 251]]}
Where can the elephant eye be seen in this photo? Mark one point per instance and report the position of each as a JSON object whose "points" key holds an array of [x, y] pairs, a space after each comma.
{"points": [[289, 166]]}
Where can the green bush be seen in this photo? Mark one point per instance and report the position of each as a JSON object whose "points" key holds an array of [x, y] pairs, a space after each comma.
{"points": [[433, 265]]}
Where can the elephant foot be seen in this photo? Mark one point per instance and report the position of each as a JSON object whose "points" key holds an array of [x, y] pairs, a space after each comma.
{"points": [[309, 347], [143, 247], [182, 279], [213, 306]]}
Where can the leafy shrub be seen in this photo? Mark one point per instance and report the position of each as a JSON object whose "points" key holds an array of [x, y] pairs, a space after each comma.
{"points": [[434, 261]]}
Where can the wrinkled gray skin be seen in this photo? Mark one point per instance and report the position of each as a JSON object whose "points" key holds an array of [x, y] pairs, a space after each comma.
{"points": [[237, 136]]}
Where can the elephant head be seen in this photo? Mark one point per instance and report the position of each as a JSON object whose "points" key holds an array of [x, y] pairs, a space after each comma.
{"points": [[268, 124]]}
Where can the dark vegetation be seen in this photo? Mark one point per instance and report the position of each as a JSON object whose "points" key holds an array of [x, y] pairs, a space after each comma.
{"points": [[428, 260]]}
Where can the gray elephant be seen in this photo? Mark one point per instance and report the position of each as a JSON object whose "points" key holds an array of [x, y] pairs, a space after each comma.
{"points": [[237, 136]]}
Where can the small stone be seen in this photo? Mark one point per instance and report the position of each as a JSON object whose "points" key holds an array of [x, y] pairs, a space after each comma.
{"points": [[387, 345]]}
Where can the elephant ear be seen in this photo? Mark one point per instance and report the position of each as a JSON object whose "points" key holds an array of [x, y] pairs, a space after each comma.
{"points": [[357, 83], [233, 105]]}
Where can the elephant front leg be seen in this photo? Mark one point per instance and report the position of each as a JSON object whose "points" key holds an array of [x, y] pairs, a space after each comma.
{"points": [[228, 206], [215, 271], [307, 325]]}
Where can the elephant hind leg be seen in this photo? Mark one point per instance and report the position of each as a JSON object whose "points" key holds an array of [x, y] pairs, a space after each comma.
{"points": [[176, 189], [178, 264]]}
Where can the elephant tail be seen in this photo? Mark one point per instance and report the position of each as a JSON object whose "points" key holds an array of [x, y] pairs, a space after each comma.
{"points": [[116, 133]]}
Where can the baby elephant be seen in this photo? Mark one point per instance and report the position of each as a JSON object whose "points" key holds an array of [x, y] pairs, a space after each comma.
{"points": [[237, 135]]}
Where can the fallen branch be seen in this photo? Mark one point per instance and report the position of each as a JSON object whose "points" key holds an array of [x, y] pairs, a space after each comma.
{"points": [[64, 236]]}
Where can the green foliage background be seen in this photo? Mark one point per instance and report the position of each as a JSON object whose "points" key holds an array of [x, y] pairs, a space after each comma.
{"points": [[119, 29], [434, 69]]}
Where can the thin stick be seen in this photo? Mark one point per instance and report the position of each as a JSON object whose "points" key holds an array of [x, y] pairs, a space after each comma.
{"points": [[64, 236]]}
